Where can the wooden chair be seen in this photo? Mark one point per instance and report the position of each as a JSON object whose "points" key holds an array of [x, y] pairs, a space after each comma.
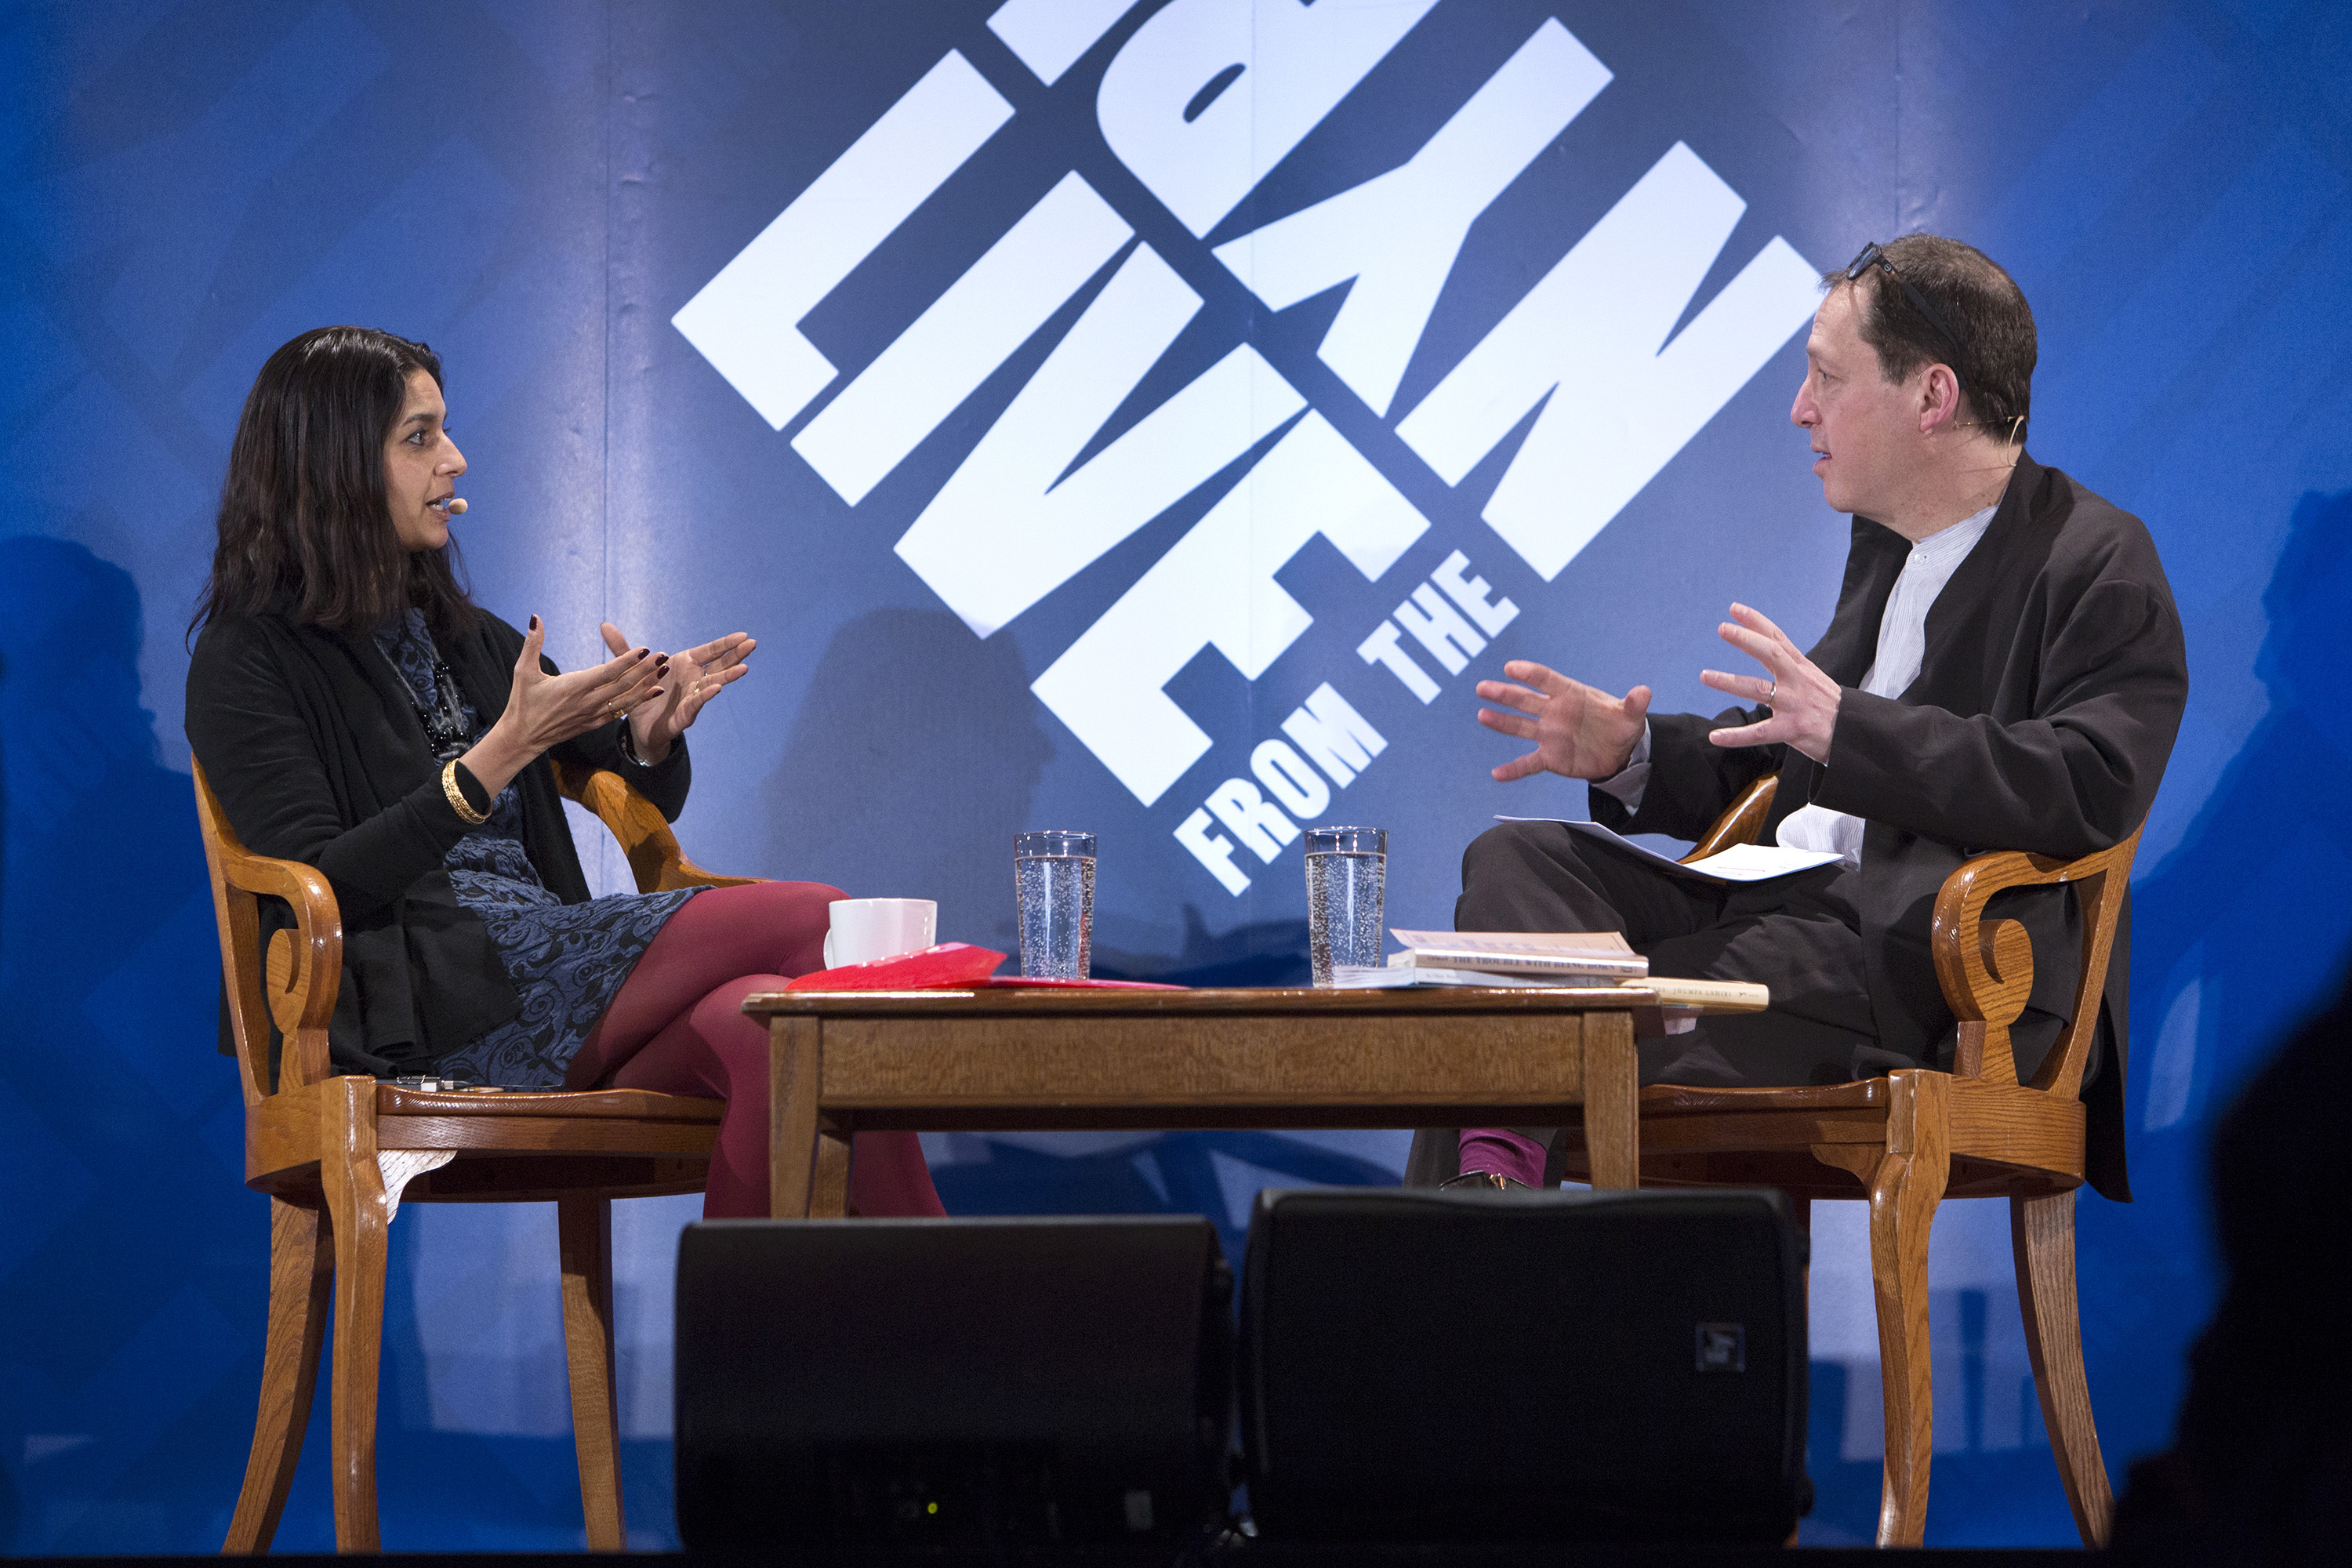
{"points": [[338, 1156], [1913, 1138]]}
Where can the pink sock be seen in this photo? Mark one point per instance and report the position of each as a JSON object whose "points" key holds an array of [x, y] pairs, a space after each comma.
{"points": [[1502, 1152]]}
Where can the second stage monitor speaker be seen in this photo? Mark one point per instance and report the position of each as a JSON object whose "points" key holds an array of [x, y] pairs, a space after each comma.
{"points": [[1421, 1365]]}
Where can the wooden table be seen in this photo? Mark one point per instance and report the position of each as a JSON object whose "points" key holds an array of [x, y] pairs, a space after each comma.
{"points": [[843, 1062]]}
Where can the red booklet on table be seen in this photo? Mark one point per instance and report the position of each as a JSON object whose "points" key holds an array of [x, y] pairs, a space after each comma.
{"points": [[949, 966]]}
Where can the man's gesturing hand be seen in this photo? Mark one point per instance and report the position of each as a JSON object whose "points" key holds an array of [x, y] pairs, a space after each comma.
{"points": [[695, 678], [1803, 700], [1579, 732]]}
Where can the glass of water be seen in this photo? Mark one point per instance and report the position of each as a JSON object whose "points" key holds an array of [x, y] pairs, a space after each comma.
{"points": [[1346, 882], [1053, 878]]}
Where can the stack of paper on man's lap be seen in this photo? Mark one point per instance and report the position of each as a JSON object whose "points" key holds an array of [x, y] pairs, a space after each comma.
{"points": [[1540, 958]]}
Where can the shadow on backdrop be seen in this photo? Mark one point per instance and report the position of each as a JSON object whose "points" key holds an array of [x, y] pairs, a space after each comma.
{"points": [[133, 1261], [2259, 1468], [1268, 952], [907, 773], [2244, 920]]}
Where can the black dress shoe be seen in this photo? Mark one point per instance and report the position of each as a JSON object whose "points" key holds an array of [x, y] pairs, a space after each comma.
{"points": [[1483, 1182]]}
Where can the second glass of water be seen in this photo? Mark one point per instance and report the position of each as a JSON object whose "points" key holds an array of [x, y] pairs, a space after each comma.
{"points": [[1346, 882], [1053, 878]]}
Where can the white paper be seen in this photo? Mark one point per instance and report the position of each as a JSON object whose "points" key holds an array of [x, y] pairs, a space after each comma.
{"points": [[1740, 863]]}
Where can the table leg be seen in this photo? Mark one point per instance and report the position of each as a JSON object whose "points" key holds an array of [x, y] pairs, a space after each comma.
{"points": [[1612, 1124], [829, 1199], [794, 1050]]}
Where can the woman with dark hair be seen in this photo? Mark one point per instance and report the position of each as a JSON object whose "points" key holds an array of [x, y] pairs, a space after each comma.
{"points": [[356, 711]]}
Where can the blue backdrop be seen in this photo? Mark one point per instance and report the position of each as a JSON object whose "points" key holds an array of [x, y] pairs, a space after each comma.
{"points": [[1147, 419]]}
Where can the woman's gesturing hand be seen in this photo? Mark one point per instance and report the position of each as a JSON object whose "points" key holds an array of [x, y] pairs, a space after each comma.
{"points": [[545, 710], [695, 678], [1803, 700]]}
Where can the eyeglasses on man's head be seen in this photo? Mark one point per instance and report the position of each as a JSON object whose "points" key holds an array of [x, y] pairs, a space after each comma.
{"points": [[1875, 255]]}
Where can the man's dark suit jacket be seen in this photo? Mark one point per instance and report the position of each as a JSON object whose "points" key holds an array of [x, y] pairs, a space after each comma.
{"points": [[2046, 705], [313, 744]]}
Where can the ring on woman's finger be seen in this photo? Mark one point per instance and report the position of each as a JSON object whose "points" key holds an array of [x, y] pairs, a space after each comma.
{"points": [[1768, 695]]}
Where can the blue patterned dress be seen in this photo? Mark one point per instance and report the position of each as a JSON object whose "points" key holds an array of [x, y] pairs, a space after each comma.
{"points": [[567, 961]]}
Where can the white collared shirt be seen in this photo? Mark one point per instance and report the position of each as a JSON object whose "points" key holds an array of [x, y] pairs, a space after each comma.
{"points": [[1902, 646]]}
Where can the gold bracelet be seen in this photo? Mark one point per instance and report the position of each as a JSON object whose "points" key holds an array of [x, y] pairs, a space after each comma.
{"points": [[466, 813]]}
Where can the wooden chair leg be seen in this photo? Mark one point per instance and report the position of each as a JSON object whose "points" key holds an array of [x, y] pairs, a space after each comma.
{"points": [[585, 1225], [1904, 1192], [358, 1209], [2041, 1233], [302, 1276]]}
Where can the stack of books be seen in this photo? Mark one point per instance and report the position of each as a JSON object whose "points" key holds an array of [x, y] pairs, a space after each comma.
{"points": [[1502, 958], [1482, 958]]}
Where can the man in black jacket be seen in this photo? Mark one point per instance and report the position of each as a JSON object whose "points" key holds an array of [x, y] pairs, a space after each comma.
{"points": [[2004, 670]]}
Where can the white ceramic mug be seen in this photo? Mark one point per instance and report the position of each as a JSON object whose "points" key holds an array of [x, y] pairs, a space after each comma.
{"points": [[867, 928]]}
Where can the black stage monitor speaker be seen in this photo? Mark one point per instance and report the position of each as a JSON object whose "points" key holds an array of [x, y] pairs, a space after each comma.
{"points": [[961, 1383], [1606, 1366]]}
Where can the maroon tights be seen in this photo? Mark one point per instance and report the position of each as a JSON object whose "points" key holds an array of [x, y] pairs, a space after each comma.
{"points": [[677, 1028], [1501, 1152]]}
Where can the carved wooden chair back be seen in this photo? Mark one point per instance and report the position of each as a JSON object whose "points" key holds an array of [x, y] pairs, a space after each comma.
{"points": [[283, 985], [1987, 971]]}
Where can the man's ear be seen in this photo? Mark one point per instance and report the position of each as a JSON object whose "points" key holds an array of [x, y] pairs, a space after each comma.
{"points": [[1940, 400]]}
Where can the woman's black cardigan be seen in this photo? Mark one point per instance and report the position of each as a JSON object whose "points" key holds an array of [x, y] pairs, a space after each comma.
{"points": [[314, 745]]}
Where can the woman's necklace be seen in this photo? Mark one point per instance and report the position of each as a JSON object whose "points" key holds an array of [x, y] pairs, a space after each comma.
{"points": [[445, 730]]}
